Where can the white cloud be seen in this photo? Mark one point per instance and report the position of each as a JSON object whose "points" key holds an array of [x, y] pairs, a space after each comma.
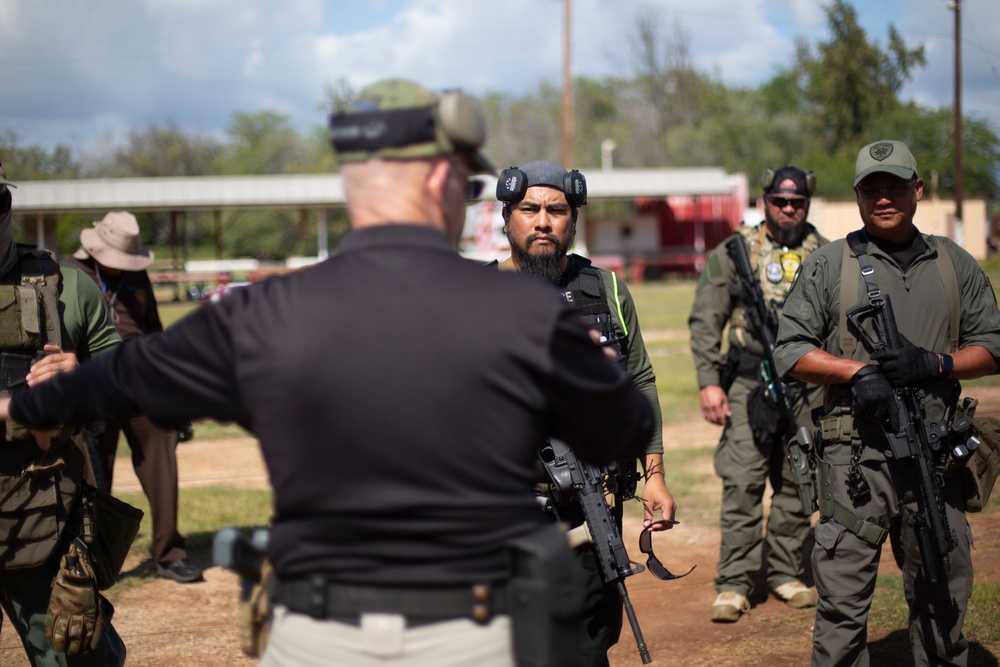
{"points": [[67, 68]]}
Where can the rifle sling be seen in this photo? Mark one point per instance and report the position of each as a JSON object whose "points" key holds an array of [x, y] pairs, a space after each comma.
{"points": [[856, 246]]}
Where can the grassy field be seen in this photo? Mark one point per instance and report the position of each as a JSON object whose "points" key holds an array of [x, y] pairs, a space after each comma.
{"points": [[663, 309]]}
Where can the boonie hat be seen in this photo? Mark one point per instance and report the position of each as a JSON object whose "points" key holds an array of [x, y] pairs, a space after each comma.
{"points": [[892, 157], [398, 119], [3, 177], [114, 242]]}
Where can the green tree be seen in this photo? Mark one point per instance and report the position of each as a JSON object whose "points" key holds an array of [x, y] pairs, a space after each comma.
{"points": [[851, 81], [157, 150], [264, 143], [35, 163]]}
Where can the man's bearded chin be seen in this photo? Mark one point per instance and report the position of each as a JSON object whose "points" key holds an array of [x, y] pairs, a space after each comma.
{"points": [[784, 235], [542, 265]]}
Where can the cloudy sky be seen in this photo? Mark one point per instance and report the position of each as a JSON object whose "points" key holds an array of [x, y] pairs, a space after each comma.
{"points": [[82, 73]]}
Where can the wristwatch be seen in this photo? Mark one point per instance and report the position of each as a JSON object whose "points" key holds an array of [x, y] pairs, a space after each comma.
{"points": [[947, 365]]}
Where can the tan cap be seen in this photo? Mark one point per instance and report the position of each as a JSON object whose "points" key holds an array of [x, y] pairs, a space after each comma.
{"points": [[399, 119], [114, 242], [889, 156]]}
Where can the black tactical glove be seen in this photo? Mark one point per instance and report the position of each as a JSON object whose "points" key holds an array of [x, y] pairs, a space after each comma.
{"points": [[908, 366], [874, 397], [75, 618]]}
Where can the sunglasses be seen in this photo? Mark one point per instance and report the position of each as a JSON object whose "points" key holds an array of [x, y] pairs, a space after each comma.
{"points": [[474, 190], [782, 202], [884, 192], [653, 564]]}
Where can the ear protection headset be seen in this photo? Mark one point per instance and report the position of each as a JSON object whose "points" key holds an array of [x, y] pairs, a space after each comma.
{"points": [[768, 176], [514, 183]]}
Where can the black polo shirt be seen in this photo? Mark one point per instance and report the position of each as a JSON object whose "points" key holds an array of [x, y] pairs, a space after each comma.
{"points": [[400, 394]]}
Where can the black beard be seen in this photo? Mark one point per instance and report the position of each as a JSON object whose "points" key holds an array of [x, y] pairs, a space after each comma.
{"points": [[544, 266]]}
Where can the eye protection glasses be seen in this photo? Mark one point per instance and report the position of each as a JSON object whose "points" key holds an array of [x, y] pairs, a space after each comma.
{"points": [[782, 202], [885, 191], [653, 564], [474, 190]]}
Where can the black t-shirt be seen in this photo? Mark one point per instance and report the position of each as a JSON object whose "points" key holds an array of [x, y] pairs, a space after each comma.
{"points": [[400, 394]]}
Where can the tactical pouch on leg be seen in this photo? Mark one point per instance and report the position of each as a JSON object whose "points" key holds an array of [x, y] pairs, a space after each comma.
{"points": [[75, 617], [253, 614], [546, 598]]}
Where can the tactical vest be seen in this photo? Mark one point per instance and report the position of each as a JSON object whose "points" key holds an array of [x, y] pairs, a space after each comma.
{"points": [[776, 266], [586, 294], [37, 491]]}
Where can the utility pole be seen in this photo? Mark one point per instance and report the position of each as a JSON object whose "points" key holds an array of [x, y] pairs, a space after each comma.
{"points": [[567, 91], [957, 6]]}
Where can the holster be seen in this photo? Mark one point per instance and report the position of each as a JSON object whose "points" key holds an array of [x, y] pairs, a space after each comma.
{"points": [[546, 598], [253, 613]]}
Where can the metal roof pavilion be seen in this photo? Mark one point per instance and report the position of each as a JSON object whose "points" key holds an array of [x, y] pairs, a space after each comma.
{"points": [[309, 190]]}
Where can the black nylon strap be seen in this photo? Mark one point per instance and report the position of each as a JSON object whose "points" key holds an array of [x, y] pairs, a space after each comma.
{"points": [[373, 131]]}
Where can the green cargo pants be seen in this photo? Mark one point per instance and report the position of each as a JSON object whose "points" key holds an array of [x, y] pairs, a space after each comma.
{"points": [[745, 467], [845, 566]]}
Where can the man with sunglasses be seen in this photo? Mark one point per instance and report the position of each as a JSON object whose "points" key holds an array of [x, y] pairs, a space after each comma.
{"points": [[746, 457], [399, 393], [541, 205], [947, 316]]}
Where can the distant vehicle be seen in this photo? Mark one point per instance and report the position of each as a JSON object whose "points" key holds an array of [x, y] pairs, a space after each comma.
{"points": [[216, 293]]}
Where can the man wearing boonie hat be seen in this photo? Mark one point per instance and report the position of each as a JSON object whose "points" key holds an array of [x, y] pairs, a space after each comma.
{"points": [[58, 321], [752, 450], [947, 317], [400, 394], [112, 254]]}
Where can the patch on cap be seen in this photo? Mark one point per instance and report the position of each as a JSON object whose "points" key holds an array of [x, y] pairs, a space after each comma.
{"points": [[887, 156], [880, 151]]}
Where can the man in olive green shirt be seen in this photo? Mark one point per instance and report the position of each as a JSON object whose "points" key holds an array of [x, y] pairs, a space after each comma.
{"points": [[541, 205], [746, 462], [34, 533], [865, 493]]}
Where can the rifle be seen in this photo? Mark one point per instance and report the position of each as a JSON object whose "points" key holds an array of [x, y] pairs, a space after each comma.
{"points": [[763, 319], [568, 473], [919, 439]]}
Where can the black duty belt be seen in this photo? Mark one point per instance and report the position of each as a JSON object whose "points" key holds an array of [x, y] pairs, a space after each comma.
{"points": [[326, 600]]}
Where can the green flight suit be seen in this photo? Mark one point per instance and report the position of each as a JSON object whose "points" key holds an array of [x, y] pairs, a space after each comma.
{"points": [[845, 564], [743, 464]]}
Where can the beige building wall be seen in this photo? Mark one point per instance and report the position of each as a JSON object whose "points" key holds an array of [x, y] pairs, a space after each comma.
{"points": [[835, 219]]}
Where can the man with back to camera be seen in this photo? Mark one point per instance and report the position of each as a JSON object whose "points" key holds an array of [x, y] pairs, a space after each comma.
{"points": [[112, 254], [744, 460], [399, 393], [947, 315], [59, 320], [541, 203]]}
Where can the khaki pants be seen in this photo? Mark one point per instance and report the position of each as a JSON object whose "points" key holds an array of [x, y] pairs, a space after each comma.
{"points": [[298, 640], [845, 568]]}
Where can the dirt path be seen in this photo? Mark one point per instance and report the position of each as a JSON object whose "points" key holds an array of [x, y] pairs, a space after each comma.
{"points": [[170, 625]]}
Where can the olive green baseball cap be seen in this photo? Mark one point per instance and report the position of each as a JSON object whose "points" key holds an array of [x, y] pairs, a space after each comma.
{"points": [[398, 119], [3, 177], [890, 156]]}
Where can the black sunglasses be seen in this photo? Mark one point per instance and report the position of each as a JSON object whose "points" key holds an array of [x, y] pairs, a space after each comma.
{"points": [[474, 190], [653, 564], [886, 191], [782, 202]]}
